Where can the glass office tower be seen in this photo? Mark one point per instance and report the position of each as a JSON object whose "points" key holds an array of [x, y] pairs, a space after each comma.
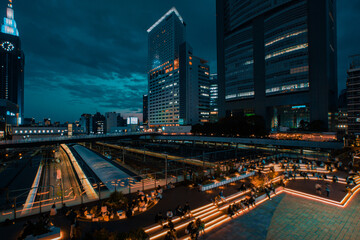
{"points": [[353, 95], [277, 59], [179, 82]]}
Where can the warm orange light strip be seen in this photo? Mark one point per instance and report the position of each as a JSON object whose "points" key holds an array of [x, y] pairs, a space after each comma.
{"points": [[178, 218], [182, 225], [211, 215], [237, 195], [312, 198], [205, 210], [223, 218], [218, 221], [353, 194], [200, 208]]}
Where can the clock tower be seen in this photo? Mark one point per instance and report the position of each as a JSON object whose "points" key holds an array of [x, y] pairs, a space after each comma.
{"points": [[12, 63]]}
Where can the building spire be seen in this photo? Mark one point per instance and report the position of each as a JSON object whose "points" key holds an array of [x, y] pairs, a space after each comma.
{"points": [[9, 25]]}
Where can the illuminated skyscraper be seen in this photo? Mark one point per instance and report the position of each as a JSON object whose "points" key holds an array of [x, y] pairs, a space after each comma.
{"points": [[214, 90], [145, 108], [178, 81], [9, 25], [12, 62], [353, 98], [277, 59]]}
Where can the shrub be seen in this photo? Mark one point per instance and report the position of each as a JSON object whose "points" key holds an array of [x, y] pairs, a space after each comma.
{"points": [[103, 234]]}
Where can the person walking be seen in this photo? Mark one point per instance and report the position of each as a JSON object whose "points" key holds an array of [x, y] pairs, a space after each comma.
{"points": [[272, 188], [267, 191], [318, 188]]}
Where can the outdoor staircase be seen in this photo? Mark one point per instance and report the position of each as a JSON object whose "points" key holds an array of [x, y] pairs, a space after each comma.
{"points": [[303, 168], [212, 215], [357, 179]]}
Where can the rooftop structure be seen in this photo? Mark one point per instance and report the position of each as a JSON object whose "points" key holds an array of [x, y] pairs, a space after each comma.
{"points": [[9, 25]]}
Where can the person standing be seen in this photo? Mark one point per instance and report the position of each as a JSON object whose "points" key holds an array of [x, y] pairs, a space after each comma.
{"points": [[53, 210], [327, 190]]}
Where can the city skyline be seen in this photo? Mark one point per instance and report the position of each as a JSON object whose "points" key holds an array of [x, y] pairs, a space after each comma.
{"points": [[62, 63]]}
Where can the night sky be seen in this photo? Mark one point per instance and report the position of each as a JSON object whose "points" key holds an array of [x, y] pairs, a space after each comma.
{"points": [[84, 56]]}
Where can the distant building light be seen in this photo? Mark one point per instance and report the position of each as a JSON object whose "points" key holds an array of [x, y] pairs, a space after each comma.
{"points": [[299, 106], [163, 17]]}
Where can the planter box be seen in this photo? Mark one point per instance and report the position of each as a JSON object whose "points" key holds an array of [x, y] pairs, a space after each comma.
{"points": [[53, 234], [224, 182]]}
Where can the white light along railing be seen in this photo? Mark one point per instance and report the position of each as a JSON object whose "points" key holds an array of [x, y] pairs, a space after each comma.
{"points": [[224, 182]]}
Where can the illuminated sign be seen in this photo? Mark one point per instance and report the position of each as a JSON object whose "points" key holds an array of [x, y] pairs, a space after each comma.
{"points": [[132, 120], [299, 106]]}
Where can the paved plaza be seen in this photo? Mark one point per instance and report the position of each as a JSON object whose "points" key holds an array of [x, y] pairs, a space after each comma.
{"points": [[291, 217]]}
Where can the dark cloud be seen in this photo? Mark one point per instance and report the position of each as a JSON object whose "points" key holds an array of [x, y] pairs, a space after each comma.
{"points": [[87, 56]]}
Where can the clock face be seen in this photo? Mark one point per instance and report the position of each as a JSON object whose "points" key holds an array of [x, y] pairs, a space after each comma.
{"points": [[7, 46]]}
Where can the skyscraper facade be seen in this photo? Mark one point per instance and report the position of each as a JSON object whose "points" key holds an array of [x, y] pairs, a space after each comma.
{"points": [[86, 122], [214, 91], [353, 96], [98, 121], [172, 71], [110, 121], [12, 62], [277, 59], [164, 39], [145, 109], [194, 87]]}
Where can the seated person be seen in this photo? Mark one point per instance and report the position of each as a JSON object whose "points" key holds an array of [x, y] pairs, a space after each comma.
{"points": [[217, 199], [186, 209], [159, 189], [170, 185], [169, 214], [159, 218], [221, 195], [170, 225], [179, 211], [252, 201], [159, 196], [335, 179], [142, 206], [230, 211]]}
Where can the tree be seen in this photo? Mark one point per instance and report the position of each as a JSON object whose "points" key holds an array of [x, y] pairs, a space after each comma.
{"points": [[317, 126], [244, 126]]}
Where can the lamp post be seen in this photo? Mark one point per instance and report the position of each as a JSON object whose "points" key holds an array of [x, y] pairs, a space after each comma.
{"points": [[166, 163]]}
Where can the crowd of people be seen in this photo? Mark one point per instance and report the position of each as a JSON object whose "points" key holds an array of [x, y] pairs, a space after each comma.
{"points": [[41, 226], [194, 229], [182, 212]]}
